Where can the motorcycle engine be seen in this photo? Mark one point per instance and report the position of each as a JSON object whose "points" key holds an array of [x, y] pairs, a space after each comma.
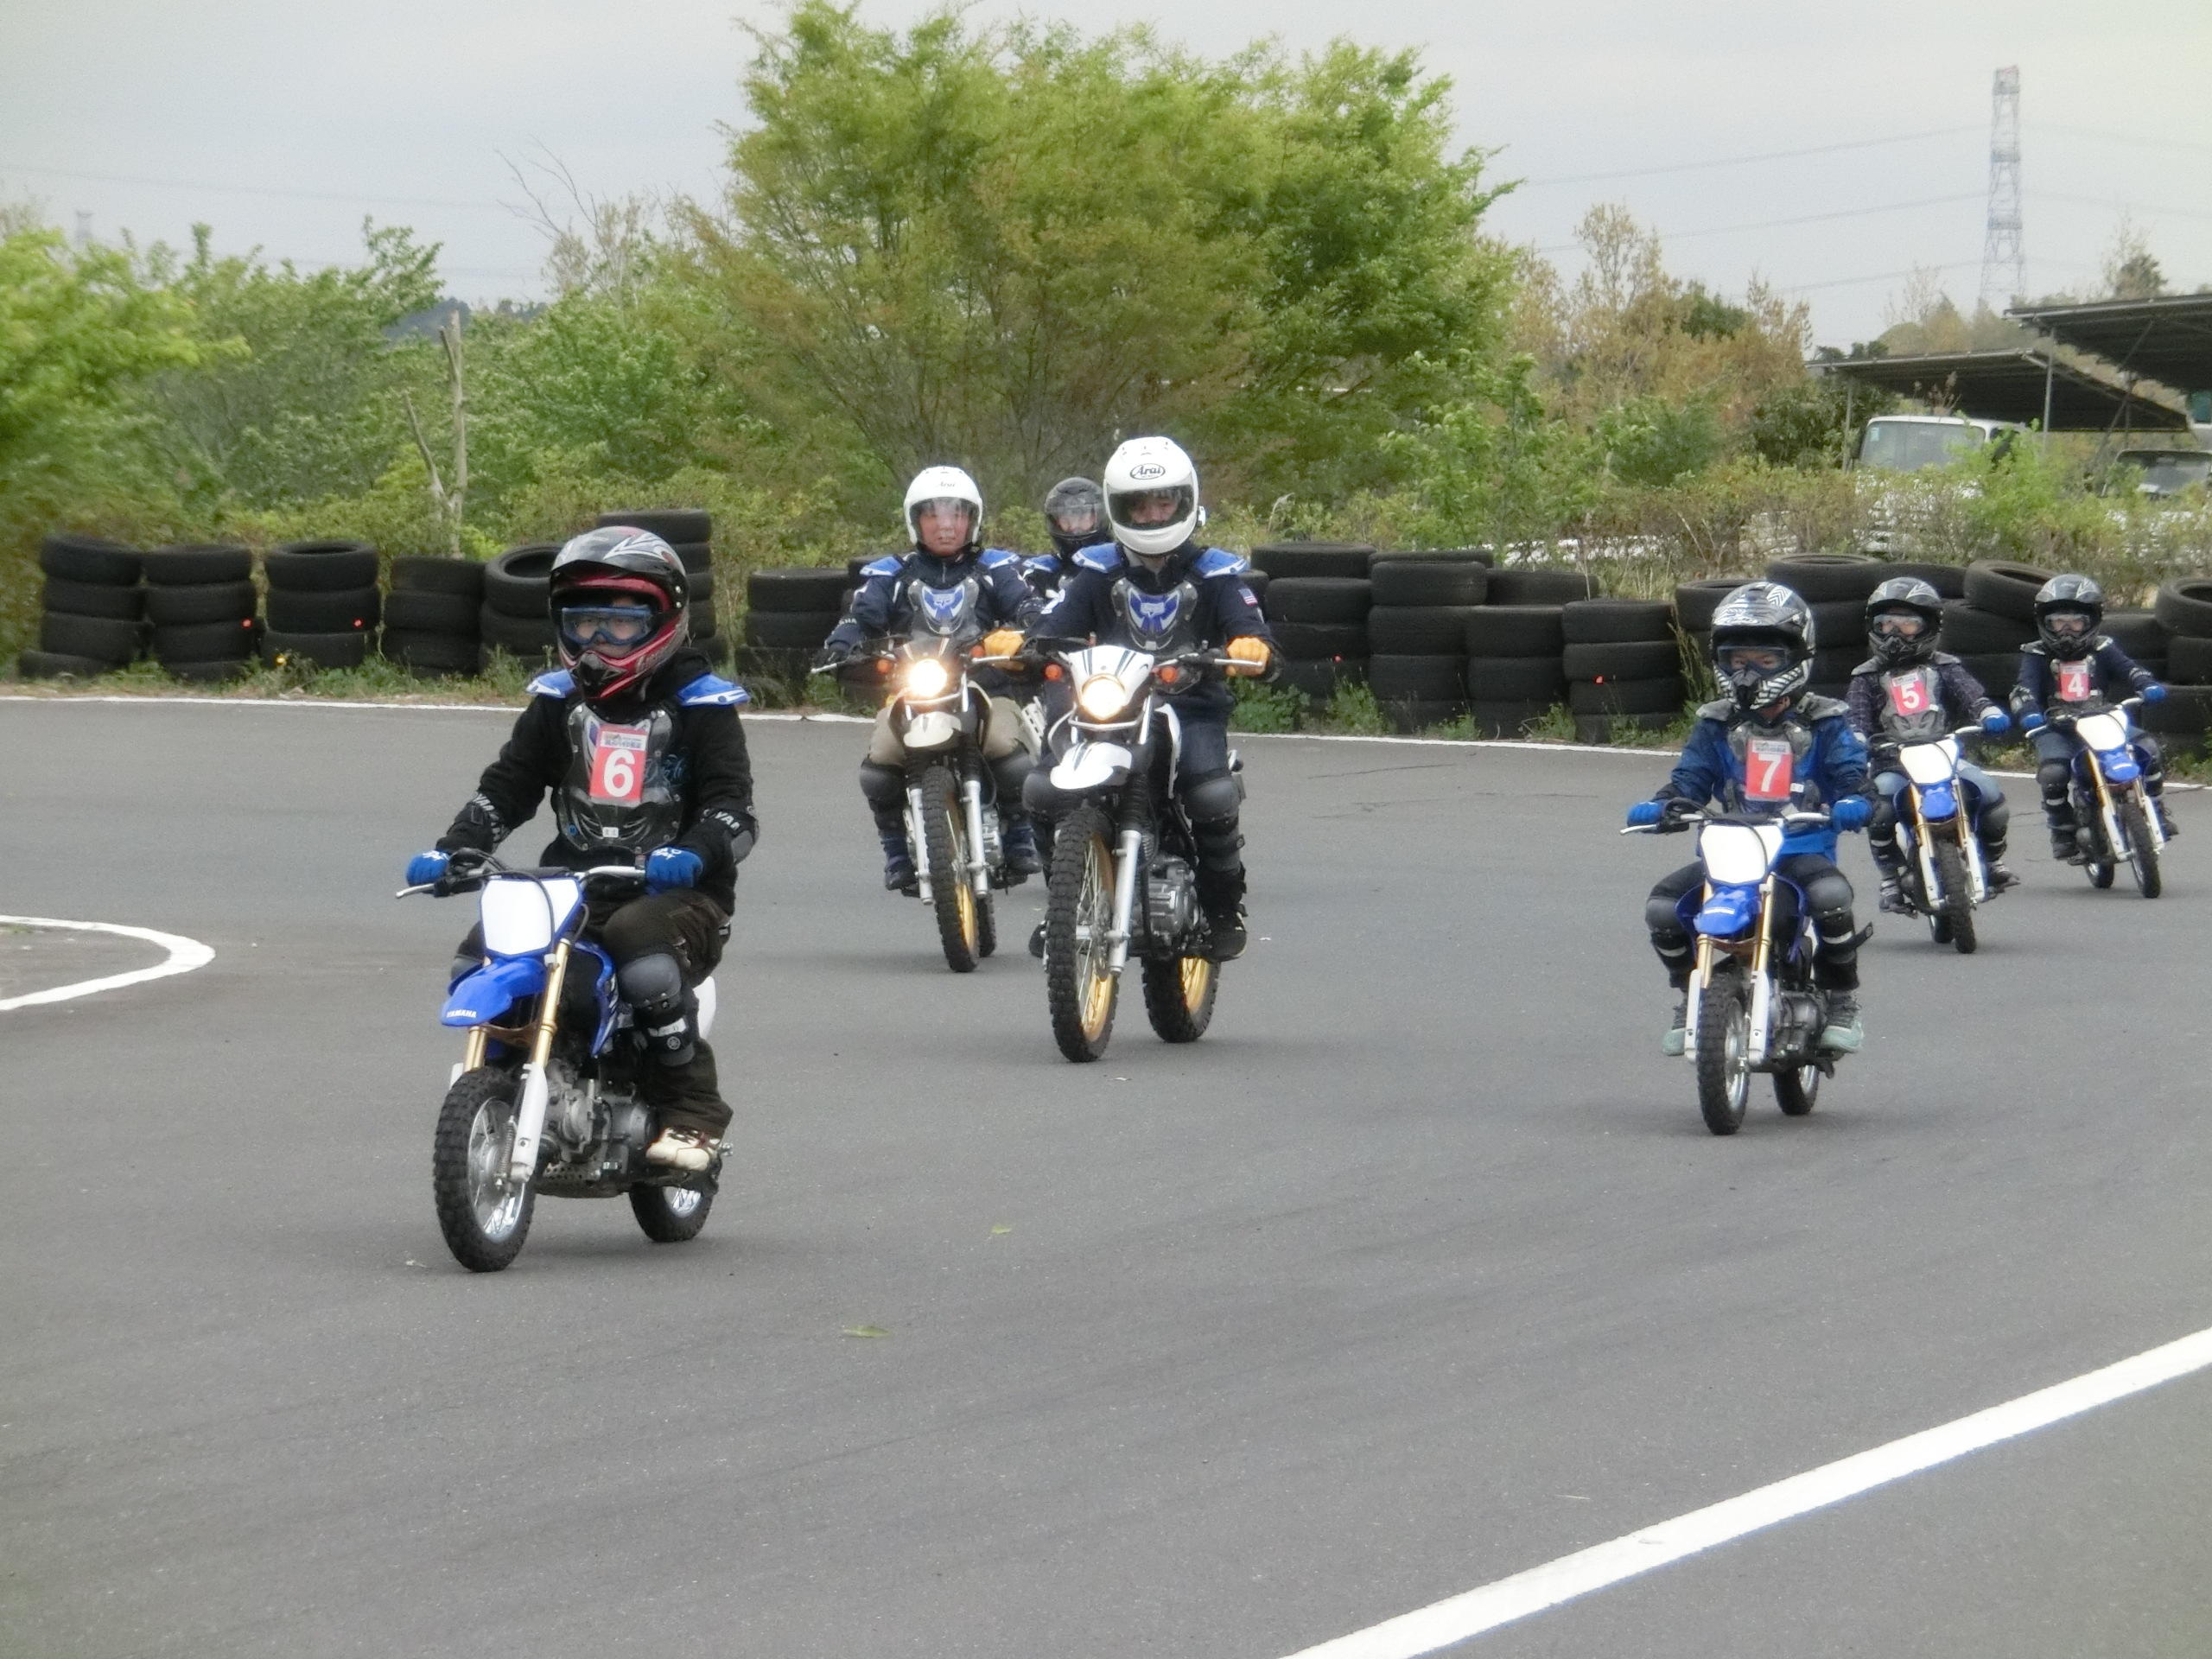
{"points": [[1170, 902], [1800, 1017]]}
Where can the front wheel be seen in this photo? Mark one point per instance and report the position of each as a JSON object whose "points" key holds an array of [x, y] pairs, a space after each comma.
{"points": [[1958, 896], [1179, 993], [1080, 988], [669, 1215], [484, 1215], [945, 835], [2142, 851], [1723, 1046]]}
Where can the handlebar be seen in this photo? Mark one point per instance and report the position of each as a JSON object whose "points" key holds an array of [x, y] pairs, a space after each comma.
{"points": [[1676, 823], [2057, 717], [468, 867]]}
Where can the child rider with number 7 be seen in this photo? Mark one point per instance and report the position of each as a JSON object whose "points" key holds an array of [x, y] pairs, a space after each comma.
{"points": [[639, 742], [1768, 747]]}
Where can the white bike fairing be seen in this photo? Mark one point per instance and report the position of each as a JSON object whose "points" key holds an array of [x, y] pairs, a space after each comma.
{"points": [[522, 915]]}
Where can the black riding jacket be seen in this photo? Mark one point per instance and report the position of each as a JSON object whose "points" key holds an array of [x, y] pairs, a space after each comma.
{"points": [[2106, 665], [1877, 715], [703, 779]]}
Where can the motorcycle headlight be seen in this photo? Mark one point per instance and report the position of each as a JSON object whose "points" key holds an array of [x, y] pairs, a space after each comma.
{"points": [[927, 677], [1102, 697]]}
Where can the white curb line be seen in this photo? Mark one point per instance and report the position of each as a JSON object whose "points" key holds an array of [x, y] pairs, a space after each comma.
{"points": [[185, 955]]}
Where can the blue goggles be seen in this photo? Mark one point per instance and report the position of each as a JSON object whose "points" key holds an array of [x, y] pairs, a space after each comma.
{"points": [[584, 626]]}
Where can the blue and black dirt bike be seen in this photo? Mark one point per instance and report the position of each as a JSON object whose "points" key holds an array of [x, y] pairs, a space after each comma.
{"points": [[2114, 821], [1945, 875], [1753, 1006], [546, 1097]]}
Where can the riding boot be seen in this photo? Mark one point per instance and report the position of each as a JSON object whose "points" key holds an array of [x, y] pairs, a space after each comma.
{"points": [[1020, 843], [899, 872], [1221, 896]]}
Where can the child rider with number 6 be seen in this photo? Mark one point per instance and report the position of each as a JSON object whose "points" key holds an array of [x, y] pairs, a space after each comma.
{"points": [[1766, 747], [639, 740]]}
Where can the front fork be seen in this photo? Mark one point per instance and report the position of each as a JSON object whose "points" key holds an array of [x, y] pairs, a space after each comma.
{"points": [[1762, 1013], [979, 868], [918, 841], [530, 1110]]}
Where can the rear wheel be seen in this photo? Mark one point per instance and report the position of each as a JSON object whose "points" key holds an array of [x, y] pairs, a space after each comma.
{"points": [[1179, 993], [944, 831], [1078, 913], [2142, 851], [484, 1217], [1958, 896], [1796, 1091], [669, 1215], [1724, 1044]]}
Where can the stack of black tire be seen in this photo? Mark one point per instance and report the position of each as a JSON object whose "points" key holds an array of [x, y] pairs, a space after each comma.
{"points": [[323, 606], [2183, 609], [689, 531], [200, 604], [93, 608], [1836, 586], [1624, 667], [516, 615], [1417, 633], [432, 616], [1992, 617], [788, 614], [1315, 597], [1516, 644], [1695, 604]]}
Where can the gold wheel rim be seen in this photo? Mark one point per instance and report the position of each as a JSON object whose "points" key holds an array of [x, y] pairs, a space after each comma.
{"points": [[1198, 976], [1097, 911], [965, 899]]}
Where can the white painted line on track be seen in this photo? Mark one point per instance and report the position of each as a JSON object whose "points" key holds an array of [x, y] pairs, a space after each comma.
{"points": [[185, 955], [1457, 1618]]}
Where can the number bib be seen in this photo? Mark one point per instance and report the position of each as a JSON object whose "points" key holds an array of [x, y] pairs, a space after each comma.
{"points": [[1910, 694], [617, 765], [2074, 682], [1916, 703], [1768, 764]]}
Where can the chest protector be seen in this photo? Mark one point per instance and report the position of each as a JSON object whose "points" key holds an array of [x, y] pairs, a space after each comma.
{"points": [[1912, 705], [620, 795], [1771, 767], [1166, 624], [943, 613]]}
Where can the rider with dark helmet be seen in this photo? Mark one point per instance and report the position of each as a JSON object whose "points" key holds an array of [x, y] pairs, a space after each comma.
{"points": [[947, 583], [2072, 662], [1075, 517], [1767, 745], [1910, 692], [639, 740]]}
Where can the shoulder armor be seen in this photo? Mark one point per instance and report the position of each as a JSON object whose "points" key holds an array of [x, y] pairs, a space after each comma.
{"points": [[2035, 648], [712, 691], [1045, 564], [559, 683], [887, 566], [1944, 659], [1105, 557], [1872, 665], [1718, 709], [1218, 562], [1812, 708], [992, 558]]}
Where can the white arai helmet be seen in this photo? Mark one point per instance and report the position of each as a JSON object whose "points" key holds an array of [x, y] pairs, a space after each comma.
{"points": [[1141, 470], [943, 484]]}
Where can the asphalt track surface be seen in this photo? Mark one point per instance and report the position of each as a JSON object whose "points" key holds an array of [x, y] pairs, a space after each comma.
{"points": [[1419, 1271]]}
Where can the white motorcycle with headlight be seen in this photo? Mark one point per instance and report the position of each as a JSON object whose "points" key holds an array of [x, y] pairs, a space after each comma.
{"points": [[1124, 877], [954, 831], [1752, 1005]]}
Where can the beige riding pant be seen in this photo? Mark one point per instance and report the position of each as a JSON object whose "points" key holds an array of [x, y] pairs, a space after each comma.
{"points": [[1004, 733]]}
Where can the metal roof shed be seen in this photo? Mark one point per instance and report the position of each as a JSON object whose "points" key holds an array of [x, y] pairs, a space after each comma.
{"points": [[2167, 340], [2017, 385]]}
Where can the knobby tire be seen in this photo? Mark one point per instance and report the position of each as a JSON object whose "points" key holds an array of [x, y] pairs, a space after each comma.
{"points": [[1079, 894]]}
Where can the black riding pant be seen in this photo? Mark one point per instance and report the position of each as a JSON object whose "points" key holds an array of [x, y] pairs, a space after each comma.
{"points": [[1828, 895]]}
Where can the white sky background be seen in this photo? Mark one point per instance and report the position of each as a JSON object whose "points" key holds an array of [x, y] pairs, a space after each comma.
{"points": [[403, 110]]}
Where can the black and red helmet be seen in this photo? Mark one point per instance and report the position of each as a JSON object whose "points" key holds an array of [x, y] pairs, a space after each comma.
{"points": [[622, 608]]}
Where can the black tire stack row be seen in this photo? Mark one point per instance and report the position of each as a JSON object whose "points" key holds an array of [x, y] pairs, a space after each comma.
{"points": [[1624, 667], [433, 615], [324, 607], [2183, 610], [92, 616], [789, 613]]}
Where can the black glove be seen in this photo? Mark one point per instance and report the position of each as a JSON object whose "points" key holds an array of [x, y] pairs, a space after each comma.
{"points": [[833, 655]]}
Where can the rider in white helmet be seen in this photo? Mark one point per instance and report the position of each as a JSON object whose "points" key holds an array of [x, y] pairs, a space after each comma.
{"points": [[978, 594], [1195, 599]]}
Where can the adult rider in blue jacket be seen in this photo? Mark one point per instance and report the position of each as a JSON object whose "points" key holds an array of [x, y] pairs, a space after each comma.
{"points": [[1768, 747], [1154, 588], [949, 584], [640, 743]]}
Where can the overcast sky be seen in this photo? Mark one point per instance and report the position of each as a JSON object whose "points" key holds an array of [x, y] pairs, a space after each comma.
{"points": [[283, 122]]}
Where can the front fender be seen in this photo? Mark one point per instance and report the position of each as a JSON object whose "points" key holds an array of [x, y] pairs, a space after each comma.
{"points": [[1728, 913], [1091, 765], [481, 997], [1938, 802]]}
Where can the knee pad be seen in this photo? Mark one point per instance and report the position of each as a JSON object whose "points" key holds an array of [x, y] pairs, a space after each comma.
{"points": [[884, 788], [1038, 798], [666, 1014], [1996, 818], [1829, 898], [2054, 778], [1213, 798], [1664, 922]]}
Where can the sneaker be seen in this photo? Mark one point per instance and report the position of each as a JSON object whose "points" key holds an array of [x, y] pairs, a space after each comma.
{"points": [[1020, 843], [1893, 897], [2066, 845], [1227, 928], [2001, 879], [1678, 1035], [1843, 1033], [685, 1149]]}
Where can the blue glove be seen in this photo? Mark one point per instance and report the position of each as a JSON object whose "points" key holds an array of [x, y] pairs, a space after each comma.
{"points": [[671, 866], [1852, 812], [1644, 812], [2030, 721], [2154, 692], [1995, 722], [426, 868]]}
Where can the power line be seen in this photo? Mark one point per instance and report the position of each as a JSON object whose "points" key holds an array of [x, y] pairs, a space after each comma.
{"points": [[2108, 202], [251, 189], [1878, 276], [2119, 137], [1803, 219], [1741, 161]]}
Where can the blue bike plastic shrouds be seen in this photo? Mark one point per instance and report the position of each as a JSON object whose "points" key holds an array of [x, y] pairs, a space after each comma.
{"points": [[481, 997], [1938, 800], [1728, 911]]}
